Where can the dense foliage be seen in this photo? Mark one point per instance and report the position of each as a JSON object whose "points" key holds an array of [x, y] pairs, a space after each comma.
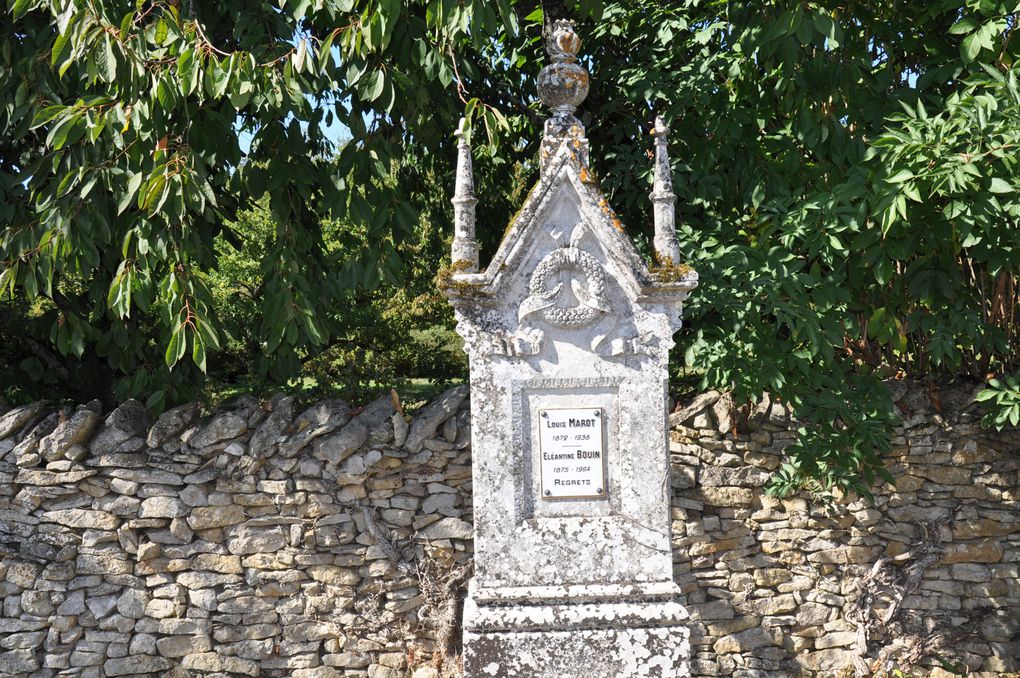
{"points": [[846, 171]]}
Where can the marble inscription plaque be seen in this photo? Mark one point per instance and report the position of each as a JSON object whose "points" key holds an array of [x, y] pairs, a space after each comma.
{"points": [[573, 454]]}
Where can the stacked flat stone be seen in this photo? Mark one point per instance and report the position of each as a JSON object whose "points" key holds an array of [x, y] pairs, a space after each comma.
{"points": [[246, 544], [771, 584], [260, 542]]}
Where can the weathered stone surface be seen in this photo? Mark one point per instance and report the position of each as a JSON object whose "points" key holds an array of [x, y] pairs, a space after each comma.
{"points": [[983, 551], [728, 496], [180, 646], [132, 603], [333, 574], [209, 662], [223, 426], [128, 666], [424, 424], [129, 420], [246, 540], [162, 507], [48, 478], [75, 430], [338, 446], [82, 519], [269, 431], [651, 653], [449, 528], [208, 517], [16, 419], [319, 419], [18, 662], [171, 423], [86, 581], [748, 641], [567, 337], [824, 660]]}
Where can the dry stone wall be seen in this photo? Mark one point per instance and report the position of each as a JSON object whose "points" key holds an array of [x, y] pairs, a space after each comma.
{"points": [[277, 540], [263, 541], [785, 588]]}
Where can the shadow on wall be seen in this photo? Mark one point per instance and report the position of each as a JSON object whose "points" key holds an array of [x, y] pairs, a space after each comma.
{"points": [[928, 576]]}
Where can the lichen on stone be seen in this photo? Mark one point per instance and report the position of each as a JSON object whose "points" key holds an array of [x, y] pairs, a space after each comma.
{"points": [[665, 271], [446, 279]]}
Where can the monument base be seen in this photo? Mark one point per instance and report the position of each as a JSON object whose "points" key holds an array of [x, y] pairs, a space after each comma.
{"points": [[583, 637]]}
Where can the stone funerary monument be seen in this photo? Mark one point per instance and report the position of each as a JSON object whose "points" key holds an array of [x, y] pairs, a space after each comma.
{"points": [[568, 333]]}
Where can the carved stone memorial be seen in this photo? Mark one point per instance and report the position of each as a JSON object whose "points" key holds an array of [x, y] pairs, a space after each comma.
{"points": [[568, 332]]}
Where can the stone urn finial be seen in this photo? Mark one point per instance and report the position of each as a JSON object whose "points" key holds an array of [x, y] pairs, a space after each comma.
{"points": [[563, 84]]}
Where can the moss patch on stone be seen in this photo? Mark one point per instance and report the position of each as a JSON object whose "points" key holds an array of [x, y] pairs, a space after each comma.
{"points": [[446, 280], [665, 271]]}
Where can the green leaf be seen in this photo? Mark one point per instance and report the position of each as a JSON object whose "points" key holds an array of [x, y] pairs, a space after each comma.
{"points": [[325, 56], [47, 114], [126, 24], [106, 62], [161, 32], [1000, 186], [964, 25], [970, 47], [60, 48], [901, 176], [19, 8], [176, 348], [198, 352]]}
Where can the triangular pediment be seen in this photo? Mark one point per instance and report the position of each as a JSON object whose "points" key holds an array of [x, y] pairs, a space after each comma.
{"points": [[566, 185], [566, 193]]}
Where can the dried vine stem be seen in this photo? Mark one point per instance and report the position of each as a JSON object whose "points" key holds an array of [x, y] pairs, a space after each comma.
{"points": [[898, 582], [441, 587]]}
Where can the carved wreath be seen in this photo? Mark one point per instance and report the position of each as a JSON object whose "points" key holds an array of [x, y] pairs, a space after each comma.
{"points": [[591, 296]]}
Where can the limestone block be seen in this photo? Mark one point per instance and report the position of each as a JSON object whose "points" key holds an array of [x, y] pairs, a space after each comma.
{"points": [[247, 540], [13, 421], [142, 643], [81, 519], [162, 507], [131, 419], [37, 603], [133, 665], [50, 478], [319, 419], [181, 646], [334, 575], [971, 572], [269, 431], [224, 426], [348, 660], [727, 496], [171, 423], [426, 422], [838, 639], [380, 671], [635, 653], [449, 528], [983, 551], [829, 660], [74, 430], [771, 576], [747, 641], [317, 672], [335, 448], [209, 517]]}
